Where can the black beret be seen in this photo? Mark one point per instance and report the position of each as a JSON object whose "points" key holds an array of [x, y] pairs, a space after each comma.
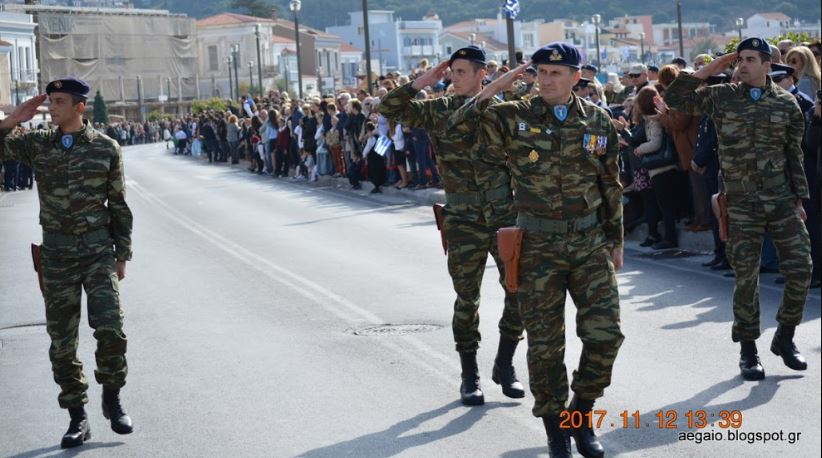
{"points": [[583, 82], [69, 85], [471, 53], [780, 70], [557, 54], [754, 44], [590, 67]]}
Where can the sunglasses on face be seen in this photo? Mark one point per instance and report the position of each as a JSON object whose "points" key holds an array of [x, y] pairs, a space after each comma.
{"points": [[634, 75]]}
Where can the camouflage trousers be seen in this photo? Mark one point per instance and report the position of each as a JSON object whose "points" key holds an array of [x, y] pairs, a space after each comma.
{"points": [[581, 265], [65, 276], [469, 244], [748, 221]]}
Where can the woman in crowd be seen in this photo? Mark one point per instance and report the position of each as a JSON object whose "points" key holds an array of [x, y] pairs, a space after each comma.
{"points": [[647, 138], [683, 128], [233, 138], [806, 70]]}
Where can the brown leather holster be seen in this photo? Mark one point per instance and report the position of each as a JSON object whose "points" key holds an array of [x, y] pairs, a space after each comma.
{"points": [[37, 259], [439, 216], [509, 243], [719, 204]]}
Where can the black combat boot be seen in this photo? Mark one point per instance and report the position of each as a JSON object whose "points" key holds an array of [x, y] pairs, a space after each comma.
{"points": [[113, 411], [504, 373], [782, 345], [749, 363], [470, 392], [78, 430], [587, 443], [559, 441]]}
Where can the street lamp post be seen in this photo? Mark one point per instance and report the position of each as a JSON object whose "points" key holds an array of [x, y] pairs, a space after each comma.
{"points": [[294, 6], [472, 37], [250, 77], [642, 47], [235, 57], [679, 27], [259, 59], [739, 23], [367, 40], [595, 19], [228, 61]]}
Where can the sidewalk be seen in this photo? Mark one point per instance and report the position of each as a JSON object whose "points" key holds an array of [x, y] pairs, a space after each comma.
{"points": [[689, 242], [692, 242]]}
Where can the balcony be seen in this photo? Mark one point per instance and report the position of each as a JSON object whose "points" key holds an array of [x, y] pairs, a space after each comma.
{"points": [[418, 50]]}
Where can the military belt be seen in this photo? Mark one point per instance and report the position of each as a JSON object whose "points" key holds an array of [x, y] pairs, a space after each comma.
{"points": [[98, 235], [739, 186], [477, 197], [556, 226]]}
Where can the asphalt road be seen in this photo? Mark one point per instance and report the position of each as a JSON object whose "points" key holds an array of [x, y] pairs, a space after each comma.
{"points": [[244, 306]]}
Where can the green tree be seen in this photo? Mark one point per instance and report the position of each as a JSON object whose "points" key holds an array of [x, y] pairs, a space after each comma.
{"points": [[100, 109], [215, 103], [257, 8]]}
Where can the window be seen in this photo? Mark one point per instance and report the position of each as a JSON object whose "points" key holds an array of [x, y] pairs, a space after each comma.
{"points": [[213, 60], [448, 50]]}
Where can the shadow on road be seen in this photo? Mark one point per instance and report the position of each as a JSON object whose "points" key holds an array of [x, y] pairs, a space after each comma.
{"points": [[55, 450], [646, 437], [392, 441]]}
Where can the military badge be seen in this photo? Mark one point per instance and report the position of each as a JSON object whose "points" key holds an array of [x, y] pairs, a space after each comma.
{"points": [[756, 94], [463, 52], [535, 130], [755, 43], [58, 84], [555, 56], [561, 112], [67, 141], [533, 156]]}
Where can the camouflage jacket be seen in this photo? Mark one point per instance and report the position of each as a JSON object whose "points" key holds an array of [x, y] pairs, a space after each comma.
{"points": [[460, 157], [81, 189], [559, 170], [759, 142]]}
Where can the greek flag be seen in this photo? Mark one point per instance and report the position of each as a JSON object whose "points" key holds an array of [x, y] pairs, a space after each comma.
{"points": [[511, 8]]}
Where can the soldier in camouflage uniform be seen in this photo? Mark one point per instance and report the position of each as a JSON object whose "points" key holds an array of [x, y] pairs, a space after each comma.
{"points": [[86, 243], [478, 197], [562, 153], [759, 129]]}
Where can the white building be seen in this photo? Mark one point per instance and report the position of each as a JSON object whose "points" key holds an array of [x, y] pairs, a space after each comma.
{"points": [[451, 41], [667, 34], [398, 44], [769, 25], [526, 34], [19, 80], [215, 37]]}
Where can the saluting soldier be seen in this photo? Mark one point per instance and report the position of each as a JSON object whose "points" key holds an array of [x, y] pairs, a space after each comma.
{"points": [[478, 202], [759, 130], [86, 243], [562, 153]]}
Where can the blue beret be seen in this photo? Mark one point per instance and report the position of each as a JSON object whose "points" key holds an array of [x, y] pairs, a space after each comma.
{"points": [[69, 85], [754, 44], [557, 54], [472, 53]]}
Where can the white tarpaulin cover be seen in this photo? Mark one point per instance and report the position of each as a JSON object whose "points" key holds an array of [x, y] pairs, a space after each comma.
{"points": [[109, 51]]}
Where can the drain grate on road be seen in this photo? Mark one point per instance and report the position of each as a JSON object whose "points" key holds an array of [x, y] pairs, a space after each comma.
{"points": [[396, 329]]}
